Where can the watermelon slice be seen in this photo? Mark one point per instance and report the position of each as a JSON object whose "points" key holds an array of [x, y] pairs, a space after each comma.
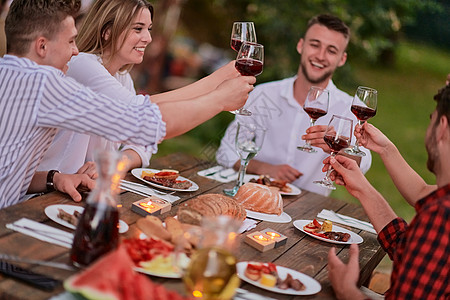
{"points": [[112, 278]]}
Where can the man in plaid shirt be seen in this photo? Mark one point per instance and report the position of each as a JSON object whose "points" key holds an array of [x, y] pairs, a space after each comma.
{"points": [[421, 250]]}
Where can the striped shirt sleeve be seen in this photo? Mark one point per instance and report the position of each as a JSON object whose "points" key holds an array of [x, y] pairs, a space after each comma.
{"points": [[69, 105]]}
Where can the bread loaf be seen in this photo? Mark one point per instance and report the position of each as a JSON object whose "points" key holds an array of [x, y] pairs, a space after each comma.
{"points": [[209, 205], [260, 198]]}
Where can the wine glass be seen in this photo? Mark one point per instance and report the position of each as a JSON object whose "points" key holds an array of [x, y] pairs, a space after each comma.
{"points": [[248, 141], [364, 107], [249, 62], [316, 106], [242, 32], [337, 136]]}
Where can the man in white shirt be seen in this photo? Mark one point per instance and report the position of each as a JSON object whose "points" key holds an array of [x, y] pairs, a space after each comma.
{"points": [[278, 106], [36, 98]]}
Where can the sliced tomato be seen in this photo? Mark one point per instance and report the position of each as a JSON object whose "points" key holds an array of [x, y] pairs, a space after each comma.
{"points": [[316, 223]]}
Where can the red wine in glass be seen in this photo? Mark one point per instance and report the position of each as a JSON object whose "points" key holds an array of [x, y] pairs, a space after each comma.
{"points": [[337, 136], [316, 106], [363, 113], [364, 107], [242, 32], [249, 62], [236, 44], [249, 66], [315, 113], [336, 144]]}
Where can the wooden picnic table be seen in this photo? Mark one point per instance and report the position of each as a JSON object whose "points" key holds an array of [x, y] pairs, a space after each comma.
{"points": [[301, 252]]}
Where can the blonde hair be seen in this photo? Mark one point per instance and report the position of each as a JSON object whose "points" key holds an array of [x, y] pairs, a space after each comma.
{"points": [[112, 17]]}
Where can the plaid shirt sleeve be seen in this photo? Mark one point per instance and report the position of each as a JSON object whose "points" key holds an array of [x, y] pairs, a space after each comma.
{"points": [[420, 252]]}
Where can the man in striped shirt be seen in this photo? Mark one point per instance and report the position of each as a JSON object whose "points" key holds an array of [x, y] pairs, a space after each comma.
{"points": [[36, 98]]}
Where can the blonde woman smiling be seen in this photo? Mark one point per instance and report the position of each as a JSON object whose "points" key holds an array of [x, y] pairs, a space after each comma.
{"points": [[113, 38]]}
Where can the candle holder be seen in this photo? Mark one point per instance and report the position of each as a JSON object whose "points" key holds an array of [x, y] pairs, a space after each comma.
{"points": [[279, 239], [150, 206], [265, 239]]}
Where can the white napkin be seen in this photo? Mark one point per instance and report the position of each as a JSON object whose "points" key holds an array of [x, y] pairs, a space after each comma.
{"points": [[247, 225], [42, 232], [220, 174], [346, 220]]}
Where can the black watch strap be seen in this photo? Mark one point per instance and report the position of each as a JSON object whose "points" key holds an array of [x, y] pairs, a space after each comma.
{"points": [[50, 184]]}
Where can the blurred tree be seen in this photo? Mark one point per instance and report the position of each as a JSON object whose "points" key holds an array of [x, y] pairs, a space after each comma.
{"points": [[376, 25]]}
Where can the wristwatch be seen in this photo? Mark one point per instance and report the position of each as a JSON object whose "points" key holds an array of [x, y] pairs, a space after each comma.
{"points": [[50, 185]]}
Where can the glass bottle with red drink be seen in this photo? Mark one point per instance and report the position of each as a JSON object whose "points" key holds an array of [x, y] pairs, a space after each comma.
{"points": [[97, 231]]}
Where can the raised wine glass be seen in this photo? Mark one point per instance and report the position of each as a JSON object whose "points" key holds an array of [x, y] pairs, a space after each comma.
{"points": [[249, 62], [337, 136], [248, 141], [316, 106], [364, 107], [242, 32]]}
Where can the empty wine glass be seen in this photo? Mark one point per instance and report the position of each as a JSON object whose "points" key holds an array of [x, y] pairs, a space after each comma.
{"points": [[316, 106], [364, 107], [242, 32], [248, 141], [249, 62], [337, 136]]}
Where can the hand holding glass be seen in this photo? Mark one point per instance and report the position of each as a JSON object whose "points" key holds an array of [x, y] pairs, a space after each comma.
{"points": [[364, 107], [249, 62], [316, 106], [248, 141], [337, 136], [242, 32]]}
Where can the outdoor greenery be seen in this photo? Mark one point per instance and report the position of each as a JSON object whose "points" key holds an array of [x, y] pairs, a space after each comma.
{"points": [[405, 101]]}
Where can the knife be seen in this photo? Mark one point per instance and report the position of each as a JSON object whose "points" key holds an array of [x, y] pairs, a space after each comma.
{"points": [[52, 264]]}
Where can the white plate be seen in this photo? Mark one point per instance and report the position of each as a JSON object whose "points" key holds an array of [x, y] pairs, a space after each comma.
{"points": [[312, 285], [295, 190], [283, 218], [354, 238], [158, 274], [138, 174], [52, 213]]}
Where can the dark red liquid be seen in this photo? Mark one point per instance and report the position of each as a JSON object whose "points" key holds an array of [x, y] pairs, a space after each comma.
{"points": [[236, 44], [336, 144], [249, 66], [97, 233], [363, 113], [314, 113]]}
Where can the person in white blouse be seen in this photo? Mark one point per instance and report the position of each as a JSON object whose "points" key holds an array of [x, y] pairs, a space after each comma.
{"points": [[112, 38], [278, 106]]}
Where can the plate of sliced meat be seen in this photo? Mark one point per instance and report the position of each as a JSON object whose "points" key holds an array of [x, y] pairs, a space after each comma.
{"points": [[285, 188], [68, 216], [277, 279], [328, 232], [165, 179]]}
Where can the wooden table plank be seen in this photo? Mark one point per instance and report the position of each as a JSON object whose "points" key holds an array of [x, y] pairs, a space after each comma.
{"points": [[301, 252]]}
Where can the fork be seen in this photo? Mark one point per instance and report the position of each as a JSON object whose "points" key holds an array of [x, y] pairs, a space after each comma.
{"points": [[350, 219], [143, 186]]}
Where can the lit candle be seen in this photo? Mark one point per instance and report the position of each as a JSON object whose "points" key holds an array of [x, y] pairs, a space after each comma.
{"points": [[261, 238], [148, 206], [272, 234]]}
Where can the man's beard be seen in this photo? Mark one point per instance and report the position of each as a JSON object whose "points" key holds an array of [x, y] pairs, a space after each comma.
{"points": [[312, 80]]}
